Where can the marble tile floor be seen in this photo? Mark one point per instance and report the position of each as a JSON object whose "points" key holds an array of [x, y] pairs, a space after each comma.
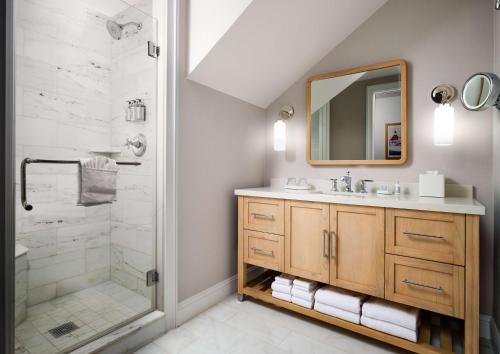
{"points": [[254, 328], [94, 310]]}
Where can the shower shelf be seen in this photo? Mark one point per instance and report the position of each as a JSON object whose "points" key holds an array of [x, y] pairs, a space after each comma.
{"points": [[27, 206], [108, 151]]}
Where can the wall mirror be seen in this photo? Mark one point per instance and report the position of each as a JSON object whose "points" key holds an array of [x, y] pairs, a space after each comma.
{"points": [[358, 116]]}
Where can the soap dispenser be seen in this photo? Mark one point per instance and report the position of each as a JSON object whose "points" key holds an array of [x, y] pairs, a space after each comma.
{"points": [[397, 189]]}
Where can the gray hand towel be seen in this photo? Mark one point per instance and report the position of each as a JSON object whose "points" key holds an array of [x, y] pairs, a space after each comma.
{"points": [[97, 180]]}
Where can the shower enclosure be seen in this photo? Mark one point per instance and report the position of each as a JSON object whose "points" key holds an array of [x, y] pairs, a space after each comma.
{"points": [[86, 86]]}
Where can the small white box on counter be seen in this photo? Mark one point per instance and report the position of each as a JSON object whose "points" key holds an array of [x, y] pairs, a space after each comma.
{"points": [[431, 184]]}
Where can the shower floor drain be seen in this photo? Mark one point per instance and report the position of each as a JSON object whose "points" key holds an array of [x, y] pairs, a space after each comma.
{"points": [[63, 329]]}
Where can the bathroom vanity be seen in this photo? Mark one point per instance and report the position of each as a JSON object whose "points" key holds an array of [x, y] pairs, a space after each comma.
{"points": [[421, 252]]}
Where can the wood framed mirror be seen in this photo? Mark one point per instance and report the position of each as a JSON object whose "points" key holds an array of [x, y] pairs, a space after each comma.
{"points": [[358, 116]]}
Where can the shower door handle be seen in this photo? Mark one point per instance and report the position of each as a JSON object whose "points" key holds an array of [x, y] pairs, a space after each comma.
{"points": [[27, 206]]}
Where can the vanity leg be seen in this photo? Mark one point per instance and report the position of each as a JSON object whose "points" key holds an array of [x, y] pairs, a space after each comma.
{"points": [[241, 297], [471, 340], [242, 267]]}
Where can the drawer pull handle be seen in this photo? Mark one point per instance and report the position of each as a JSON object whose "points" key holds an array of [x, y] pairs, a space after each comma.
{"points": [[325, 236], [263, 216], [332, 244], [261, 251], [436, 237], [408, 282]]}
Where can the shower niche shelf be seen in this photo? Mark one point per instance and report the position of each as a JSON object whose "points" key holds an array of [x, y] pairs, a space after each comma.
{"points": [[105, 151]]}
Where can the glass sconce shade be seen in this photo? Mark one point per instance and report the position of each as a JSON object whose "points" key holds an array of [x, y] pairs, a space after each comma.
{"points": [[444, 124], [279, 135]]}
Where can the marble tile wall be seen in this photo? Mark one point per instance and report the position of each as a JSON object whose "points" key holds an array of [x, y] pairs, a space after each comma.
{"points": [[133, 76], [73, 81], [63, 77]]}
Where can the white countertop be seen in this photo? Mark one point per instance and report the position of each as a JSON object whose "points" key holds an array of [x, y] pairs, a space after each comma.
{"points": [[461, 205]]}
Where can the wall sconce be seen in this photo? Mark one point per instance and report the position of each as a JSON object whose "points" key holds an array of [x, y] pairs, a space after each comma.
{"points": [[286, 112], [444, 115]]}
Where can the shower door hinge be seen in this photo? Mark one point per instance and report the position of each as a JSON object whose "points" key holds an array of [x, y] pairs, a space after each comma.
{"points": [[152, 277], [153, 50]]}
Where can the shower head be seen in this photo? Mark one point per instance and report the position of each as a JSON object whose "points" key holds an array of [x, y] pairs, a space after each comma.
{"points": [[116, 30]]}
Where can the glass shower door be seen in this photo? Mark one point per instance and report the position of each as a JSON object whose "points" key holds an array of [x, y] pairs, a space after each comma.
{"points": [[86, 88]]}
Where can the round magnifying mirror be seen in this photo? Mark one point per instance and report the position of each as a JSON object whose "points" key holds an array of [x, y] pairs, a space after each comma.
{"points": [[480, 91]]}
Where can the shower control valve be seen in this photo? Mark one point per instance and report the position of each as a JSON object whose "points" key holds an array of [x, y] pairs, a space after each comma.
{"points": [[137, 143]]}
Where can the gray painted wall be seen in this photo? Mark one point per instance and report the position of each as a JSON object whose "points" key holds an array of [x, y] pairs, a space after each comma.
{"points": [[496, 180], [221, 147], [444, 42]]}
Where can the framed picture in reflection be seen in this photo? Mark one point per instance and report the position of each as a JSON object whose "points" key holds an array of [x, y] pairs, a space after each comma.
{"points": [[393, 141]]}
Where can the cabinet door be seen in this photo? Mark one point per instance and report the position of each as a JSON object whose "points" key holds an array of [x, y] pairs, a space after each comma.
{"points": [[357, 252], [306, 240]]}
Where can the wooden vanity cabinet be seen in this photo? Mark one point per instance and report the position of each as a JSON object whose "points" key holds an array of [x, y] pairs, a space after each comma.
{"points": [[307, 228], [357, 251], [426, 259]]}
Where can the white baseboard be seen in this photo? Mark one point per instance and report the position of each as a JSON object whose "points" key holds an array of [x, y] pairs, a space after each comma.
{"points": [[202, 301]]}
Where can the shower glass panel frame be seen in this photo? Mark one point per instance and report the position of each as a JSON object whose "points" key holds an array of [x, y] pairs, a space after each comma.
{"points": [[81, 271]]}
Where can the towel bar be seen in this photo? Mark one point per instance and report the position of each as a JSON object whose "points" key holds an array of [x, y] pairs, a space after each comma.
{"points": [[28, 161]]}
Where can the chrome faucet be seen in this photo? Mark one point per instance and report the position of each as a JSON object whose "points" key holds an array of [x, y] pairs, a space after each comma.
{"points": [[347, 179]]}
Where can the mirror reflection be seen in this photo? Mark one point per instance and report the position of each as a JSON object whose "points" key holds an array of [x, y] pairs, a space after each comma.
{"points": [[356, 116]]}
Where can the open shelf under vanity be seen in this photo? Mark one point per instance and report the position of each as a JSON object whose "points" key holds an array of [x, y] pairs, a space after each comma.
{"points": [[438, 334]]}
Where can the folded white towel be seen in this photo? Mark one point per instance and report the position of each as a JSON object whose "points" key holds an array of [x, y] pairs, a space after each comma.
{"points": [[97, 182], [305, 284], [284, 279], [302, 302], [286, 289], [302, 294], [340, 298], [336, 312], [397, 314], [389, 328], [282, 296]]}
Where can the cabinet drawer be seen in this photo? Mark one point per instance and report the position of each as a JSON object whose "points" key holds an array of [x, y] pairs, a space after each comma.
{"points": [[266, 215], [427, 235], [429, 285], [264, 250]]}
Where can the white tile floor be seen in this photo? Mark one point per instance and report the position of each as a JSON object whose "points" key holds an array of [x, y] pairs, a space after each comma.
{"points": [[94, 310], [253, 327]]}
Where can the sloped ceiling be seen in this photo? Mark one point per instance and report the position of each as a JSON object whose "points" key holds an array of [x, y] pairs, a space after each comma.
{"points": [[271, 43]]}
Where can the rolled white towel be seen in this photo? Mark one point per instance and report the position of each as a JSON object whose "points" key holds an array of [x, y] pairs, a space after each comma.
{"points": [[287, 289], [336, 312], [397, 314], [284, 279], [305, 284], [302, 302], [282, 296], [302, 294], [340, 298], [389, 328]]}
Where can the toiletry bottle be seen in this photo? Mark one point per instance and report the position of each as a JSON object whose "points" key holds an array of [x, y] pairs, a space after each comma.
{"points": [[397, 189], [127, 111], [132, 110], [140, 110]]}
